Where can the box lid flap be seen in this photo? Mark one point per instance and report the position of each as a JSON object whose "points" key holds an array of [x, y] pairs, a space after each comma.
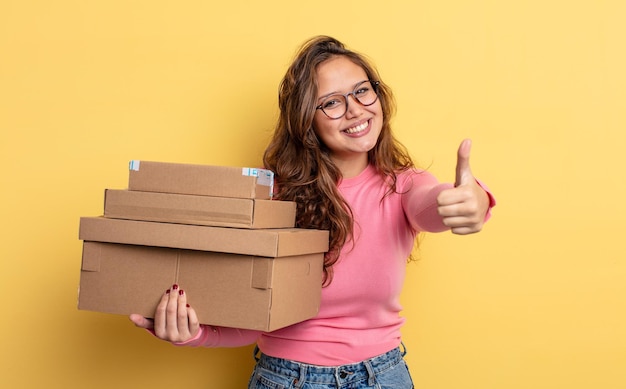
{"points": [[264, 242], [91, 257], [262, 273]]}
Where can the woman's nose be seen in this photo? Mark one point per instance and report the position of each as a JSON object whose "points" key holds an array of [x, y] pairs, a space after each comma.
{"points": [[354, 108]]}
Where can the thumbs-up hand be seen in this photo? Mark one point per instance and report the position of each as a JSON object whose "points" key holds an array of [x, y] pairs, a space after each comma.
{"points": [[463, 208]]}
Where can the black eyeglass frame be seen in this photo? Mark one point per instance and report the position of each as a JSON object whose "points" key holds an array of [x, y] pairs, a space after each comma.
{"points": [[375, 85]]}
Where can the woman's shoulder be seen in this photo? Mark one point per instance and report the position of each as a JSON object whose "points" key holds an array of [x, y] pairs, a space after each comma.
{"points": [[414, 176]]}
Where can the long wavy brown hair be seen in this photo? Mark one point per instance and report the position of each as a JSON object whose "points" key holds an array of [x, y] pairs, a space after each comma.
{"points": [[301, 162]]}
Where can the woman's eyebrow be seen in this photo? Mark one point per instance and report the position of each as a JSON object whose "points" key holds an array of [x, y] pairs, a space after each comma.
{"points": [[328, 94]]}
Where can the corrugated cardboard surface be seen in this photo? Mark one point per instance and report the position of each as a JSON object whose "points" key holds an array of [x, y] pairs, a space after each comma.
{"points": [[219, 181], [230, 290], [199, 210], [266, 242]]}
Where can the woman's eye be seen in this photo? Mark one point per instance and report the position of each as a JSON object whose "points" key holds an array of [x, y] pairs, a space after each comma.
{"points": [[361, 91], [332, 103]]}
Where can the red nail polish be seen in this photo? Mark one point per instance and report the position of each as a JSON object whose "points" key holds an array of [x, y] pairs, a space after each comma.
{"points": [[181, 292], [167, 291], [188, 305], [174, 287]]}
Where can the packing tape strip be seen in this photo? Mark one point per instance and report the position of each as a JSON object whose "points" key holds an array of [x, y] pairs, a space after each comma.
{"points": [[264, 177]]}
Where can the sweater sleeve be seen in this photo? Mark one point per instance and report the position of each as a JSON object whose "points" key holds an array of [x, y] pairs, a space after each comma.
{"points": [[210, 336], [419, 200]]}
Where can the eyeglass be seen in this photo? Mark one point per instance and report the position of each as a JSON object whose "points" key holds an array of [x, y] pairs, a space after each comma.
{"points": [[335, 106]]}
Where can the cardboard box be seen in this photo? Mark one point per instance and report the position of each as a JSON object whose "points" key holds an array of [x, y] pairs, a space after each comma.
{"points": [[205, 180], [231, 290], [199, 210], [279, 242]]}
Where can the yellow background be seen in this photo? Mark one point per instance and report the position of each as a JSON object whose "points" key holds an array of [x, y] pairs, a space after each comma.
{"points": [[537, 300]]}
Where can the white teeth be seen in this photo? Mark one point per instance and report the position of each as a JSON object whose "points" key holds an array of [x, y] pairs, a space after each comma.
{"points": [[356, 129]]}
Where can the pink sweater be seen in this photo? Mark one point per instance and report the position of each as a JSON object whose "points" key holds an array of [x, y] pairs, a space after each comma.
{"points": [[359, 316]]}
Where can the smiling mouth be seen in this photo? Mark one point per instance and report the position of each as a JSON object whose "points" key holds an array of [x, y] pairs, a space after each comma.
{"points": [[357, 129]]}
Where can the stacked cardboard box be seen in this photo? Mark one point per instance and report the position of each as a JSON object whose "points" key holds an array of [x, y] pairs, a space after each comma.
{"points": [[213, 230]]}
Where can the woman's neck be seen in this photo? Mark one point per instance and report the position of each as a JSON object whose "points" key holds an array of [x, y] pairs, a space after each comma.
{"points": [[351, 167]]}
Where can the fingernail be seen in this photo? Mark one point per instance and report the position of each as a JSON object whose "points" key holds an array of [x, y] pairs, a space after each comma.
{"points": [[174, 287], [167, 291], [181, 292]]}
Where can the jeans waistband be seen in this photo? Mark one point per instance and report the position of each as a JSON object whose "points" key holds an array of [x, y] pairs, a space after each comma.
{"points": [[302, 372]]}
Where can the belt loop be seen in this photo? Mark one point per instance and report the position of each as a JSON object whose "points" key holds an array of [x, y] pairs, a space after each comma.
{"points": [[370, 372], [302, 379], [337, 380], [256, 353], [403, 351]]}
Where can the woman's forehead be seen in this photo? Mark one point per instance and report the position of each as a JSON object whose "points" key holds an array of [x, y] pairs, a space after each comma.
{"points": [[338, 74]]}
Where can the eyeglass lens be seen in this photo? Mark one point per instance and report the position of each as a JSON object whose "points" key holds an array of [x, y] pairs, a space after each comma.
{"points": [[335, 106]]}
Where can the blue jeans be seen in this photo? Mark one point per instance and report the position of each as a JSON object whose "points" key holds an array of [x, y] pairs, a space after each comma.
{"points": [[386, 371]]}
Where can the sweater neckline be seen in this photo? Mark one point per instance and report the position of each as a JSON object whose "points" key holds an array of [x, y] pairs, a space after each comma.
{"points": [[365, 175]]}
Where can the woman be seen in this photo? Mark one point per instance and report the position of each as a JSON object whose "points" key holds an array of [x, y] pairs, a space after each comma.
{"points": [[333, 153]]}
